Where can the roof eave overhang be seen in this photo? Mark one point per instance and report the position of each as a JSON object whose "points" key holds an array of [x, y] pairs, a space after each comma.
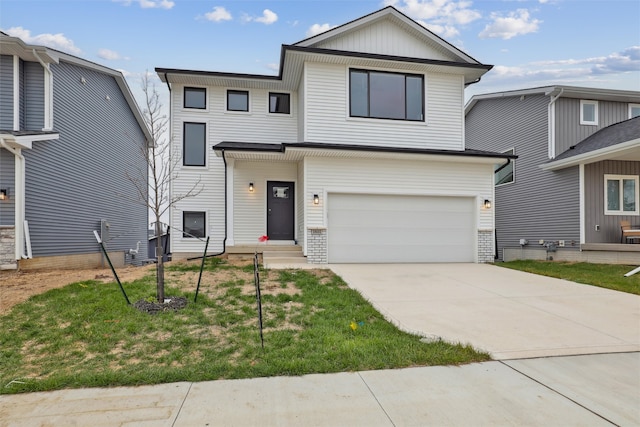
{"points": [[614, 152], [26, 141]]}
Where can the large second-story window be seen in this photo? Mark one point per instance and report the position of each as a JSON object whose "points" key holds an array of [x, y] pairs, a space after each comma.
{"points": [[383, 95], [194, 144], [195, 97]]}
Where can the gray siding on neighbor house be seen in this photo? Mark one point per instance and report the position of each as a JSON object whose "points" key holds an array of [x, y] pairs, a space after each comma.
{"points": [[6, 92], [7, 181], [594, 201], [569, 131], [33, 97], [539, 204], [77, 180]]}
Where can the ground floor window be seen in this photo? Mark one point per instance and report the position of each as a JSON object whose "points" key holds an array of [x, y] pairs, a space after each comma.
{"points": [[621, 194], [193, 224]]}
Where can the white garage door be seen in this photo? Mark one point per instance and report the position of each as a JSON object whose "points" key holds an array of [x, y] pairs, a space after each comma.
{"points": [[386, 228]]}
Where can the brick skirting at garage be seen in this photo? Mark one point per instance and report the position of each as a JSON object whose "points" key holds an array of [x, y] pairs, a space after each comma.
{"points": [[486, 253], [7, 247]]}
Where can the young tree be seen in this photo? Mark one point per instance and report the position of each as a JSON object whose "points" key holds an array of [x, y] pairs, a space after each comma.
{"points": [[153, 184]]}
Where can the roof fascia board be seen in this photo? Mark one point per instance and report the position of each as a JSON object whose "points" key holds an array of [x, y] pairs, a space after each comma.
{"points": [[26, 141], [591, 156]]}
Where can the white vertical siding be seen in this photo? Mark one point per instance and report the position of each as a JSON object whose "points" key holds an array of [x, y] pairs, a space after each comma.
{"points": [[328, 121], [384, 38], [250, 208], [398, 177], [300, 205]]}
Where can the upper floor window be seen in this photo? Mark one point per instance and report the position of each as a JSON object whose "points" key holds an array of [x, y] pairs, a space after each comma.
{"points": [[621, 194], [588, 112], [194, 144], [279, 103], [504, 173], [237, 100], [383, 95], [194, 224], [195, 97], [634, 110]]}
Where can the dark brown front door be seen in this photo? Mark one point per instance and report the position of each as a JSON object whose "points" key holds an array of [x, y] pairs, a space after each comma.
{"points": [[280, 210]]}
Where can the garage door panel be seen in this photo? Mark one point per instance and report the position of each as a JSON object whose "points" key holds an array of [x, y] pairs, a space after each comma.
{"points": [[389, 228]]}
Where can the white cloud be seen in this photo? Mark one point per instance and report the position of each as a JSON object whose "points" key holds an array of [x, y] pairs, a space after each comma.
{"points": [[516, 23], [149, 4], [110, 55], [55, 41], [218, 14], [316, 29], [268, 17], [442, 17], [444, 31], [273, 66]]}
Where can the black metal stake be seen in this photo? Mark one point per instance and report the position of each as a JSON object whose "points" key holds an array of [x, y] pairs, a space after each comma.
{"points": [[113, 270], [206, 246], [256, 279]]}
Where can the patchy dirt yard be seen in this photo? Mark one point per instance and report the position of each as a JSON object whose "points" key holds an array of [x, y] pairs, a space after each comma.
{"points": [[18, 286]]}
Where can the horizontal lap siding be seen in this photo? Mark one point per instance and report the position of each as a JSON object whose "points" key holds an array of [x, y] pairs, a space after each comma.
{"points": [[7, 181], [6, 92], [539, 204], [396, 177], [328, 120], [33, 102], [595, 204], [74, 182]]}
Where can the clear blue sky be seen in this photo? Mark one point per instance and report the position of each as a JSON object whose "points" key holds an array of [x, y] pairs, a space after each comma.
{"points": [[594, 43]]}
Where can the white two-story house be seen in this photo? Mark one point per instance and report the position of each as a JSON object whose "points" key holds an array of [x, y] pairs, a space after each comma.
{"points": [[354, 152]]}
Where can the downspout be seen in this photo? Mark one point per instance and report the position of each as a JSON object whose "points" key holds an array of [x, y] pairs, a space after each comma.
{"points": [[20, 200], [551, 117], [48, 103]]}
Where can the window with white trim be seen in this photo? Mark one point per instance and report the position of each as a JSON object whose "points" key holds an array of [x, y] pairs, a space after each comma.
{"points": [[621, 194], [634, 110], [506, 174], [588, 112], [194, 224]]}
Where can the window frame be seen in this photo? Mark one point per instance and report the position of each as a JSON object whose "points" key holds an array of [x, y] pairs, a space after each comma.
{"points": [[237, 92], [621, 178], [584, 102], [195, 89], [512, 151], [288, 95], [631, 107], [405, 75], [184, 145], [204, 222]]}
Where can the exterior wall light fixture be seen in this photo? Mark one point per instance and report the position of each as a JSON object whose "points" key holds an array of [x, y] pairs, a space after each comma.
{"points": [[4, 194], [316, 199], [251, 187], [487, 204]]}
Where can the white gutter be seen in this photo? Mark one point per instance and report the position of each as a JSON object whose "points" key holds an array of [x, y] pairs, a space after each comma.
{"points": [[48, 93], [20, 199], [551, 116]]}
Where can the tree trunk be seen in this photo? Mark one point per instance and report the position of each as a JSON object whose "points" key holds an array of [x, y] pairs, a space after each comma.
{"points": [[160, 262]]}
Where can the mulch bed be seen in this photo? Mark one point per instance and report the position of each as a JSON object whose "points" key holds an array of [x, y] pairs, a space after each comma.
{"points": [[155, 307]]}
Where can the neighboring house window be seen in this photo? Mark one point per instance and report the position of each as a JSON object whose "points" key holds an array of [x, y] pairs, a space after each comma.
{"points": [[279, 103], [193, 224], [634, 110], [194, 144], [195, 97], [237, 100], [621, 194], [382, 95], [505, 175], [588, 112]]}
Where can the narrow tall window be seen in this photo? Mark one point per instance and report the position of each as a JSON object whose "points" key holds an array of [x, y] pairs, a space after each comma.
{"points": [[279, 103], [506, 174], [193, 224], [194, 144], [195, 97], [588, 112], [634, 110], [383, 95], [237, 100]]}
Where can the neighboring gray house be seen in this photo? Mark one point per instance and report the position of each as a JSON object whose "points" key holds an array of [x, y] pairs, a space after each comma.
{"points": [[577, 173], [69, 131]]}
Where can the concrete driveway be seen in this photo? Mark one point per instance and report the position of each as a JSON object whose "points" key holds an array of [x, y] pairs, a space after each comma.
{"points": [[507, 313]]}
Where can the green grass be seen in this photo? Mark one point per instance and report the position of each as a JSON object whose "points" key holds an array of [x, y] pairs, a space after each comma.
{"points": [[84, 335], [610, 276]]}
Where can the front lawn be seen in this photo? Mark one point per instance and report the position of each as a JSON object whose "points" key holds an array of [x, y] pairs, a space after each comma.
{"points": [[84, 335], [610, 276]]}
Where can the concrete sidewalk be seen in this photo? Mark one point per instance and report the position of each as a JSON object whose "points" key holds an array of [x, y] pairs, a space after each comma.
{"points": [[509, 313], [596, 390]]}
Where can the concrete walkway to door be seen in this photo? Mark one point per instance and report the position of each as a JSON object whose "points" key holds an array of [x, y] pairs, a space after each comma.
{"points": [[508, 313]]}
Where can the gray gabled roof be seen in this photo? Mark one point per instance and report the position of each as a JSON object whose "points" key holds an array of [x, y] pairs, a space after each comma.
{"points": [[620, 141]]}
